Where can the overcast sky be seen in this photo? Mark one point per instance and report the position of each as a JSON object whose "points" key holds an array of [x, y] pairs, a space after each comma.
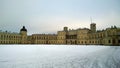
{"points": [[49, 16]]}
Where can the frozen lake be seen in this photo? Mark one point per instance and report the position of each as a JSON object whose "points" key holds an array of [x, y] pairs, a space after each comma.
{"points": [[59, 56]]}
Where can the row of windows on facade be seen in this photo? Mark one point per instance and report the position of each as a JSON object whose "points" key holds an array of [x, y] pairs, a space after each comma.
{"points": [[44, 37], [90, 36], [98, 42], [46, 42], [103, 34], [80, 42], [10, 42], [90, 42], [9, 36], [80, 37], [55, 42], [97, 34], [70, 37]]}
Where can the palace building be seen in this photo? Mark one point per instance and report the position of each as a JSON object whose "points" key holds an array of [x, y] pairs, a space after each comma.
{"points": [[80, 36]]}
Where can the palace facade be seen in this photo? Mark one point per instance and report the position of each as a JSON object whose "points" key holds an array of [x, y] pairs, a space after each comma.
{"points": [[80, 36]]}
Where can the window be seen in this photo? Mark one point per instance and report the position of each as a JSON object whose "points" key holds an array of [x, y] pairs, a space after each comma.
{"points": [[82, 42], [89, 41], [95, 41], [118, 41], [109, 41]]}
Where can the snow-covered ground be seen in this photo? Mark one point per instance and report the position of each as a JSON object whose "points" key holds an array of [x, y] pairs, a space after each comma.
{"points": [[59, 56]]}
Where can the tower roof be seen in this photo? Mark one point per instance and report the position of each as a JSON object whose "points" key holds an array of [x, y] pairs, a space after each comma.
{"points": [[93, 23], [23, 29]]}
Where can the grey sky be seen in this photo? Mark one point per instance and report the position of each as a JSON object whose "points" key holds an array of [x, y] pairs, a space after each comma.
{"points": [[49, 16]]}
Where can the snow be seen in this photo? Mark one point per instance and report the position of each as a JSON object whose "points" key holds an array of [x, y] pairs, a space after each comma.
{"points": [[59, 56]]}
